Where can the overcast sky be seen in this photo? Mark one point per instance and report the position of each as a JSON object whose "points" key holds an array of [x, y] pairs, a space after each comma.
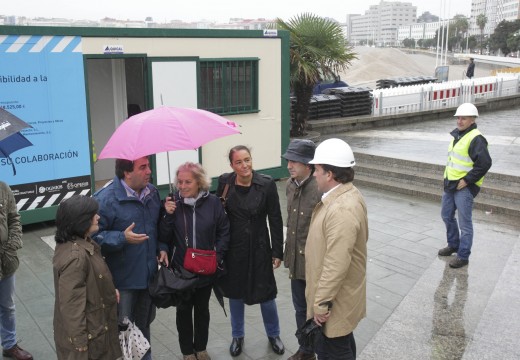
{"points": [[215, 10]]}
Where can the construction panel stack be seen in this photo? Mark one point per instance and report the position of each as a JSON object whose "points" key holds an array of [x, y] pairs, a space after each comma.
{"points": [[404, 81], [324, 107], [321, 107], [355, 101]]}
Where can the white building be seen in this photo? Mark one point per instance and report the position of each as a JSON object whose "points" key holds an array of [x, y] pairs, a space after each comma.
{"points": [[495, 11], [379, 25], [418, 31]]}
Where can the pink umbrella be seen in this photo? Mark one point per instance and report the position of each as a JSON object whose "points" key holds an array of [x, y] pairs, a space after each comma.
{"points": [[166, 129]]}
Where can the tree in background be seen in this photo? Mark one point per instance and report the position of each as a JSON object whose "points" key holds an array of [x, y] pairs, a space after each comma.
{"points": [[513, 41], [317, 48], [481, 23], [409, 43], [503, 36], [460, 28], [427, 17]]}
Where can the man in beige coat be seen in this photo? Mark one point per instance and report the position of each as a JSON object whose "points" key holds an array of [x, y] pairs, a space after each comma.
{"points": [[336, 253]]}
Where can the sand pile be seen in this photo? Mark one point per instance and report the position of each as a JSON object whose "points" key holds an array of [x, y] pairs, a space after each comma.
{"points": [[379, 63]]}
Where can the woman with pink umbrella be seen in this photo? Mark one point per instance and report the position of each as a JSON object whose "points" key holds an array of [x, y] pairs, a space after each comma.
{"points": [[195, 220]]}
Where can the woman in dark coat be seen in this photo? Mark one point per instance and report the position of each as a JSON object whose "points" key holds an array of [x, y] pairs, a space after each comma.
{"points": [[195, 219], [85, 310], [254, 251]]}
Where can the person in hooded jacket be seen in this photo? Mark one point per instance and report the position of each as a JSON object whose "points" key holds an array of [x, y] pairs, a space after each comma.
{"points": [[85, 309], [255, 250], [194, 218]]}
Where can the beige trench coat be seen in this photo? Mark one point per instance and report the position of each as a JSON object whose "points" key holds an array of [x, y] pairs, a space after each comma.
{"points": [[336, 260]]}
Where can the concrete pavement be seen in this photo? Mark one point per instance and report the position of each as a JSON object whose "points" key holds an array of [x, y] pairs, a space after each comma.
{"points": [[417, 306]]}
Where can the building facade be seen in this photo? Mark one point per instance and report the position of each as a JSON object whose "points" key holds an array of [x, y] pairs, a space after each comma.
{"points": [[380, 24], [495, 11]]}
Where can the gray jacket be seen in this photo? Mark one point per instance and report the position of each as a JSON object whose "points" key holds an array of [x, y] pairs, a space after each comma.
{"points": [[10, 232]]}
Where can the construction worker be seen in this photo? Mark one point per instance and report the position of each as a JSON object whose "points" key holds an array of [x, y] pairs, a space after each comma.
{"points": [[468, 162]]}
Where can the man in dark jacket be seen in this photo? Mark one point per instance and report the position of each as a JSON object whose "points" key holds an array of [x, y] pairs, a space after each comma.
{"points": [[129, 208], [468, 162], [470, 72], [10, 242], [302, 196]]}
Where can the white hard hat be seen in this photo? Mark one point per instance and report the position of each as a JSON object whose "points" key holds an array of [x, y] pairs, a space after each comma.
{"points": [[467, 109], [334, 152]]}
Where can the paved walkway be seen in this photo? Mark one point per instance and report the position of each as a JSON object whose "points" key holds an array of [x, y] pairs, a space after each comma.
{"points": [[417, 306]]}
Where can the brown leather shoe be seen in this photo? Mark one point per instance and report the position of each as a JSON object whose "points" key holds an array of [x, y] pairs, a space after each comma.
{"points": [[17, 353], [302, 356]]}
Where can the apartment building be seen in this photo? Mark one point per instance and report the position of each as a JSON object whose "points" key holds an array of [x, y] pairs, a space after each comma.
{"points": [[418, 31], [380, 23], [495, 11]]}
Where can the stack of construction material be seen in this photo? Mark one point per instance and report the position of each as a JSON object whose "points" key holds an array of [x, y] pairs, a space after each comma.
{"points": [[404, 81], [324, 107], [354, 100], [321, 107]]}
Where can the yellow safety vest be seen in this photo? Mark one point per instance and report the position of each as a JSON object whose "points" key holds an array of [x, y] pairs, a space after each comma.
{"points": [[459, 162]]}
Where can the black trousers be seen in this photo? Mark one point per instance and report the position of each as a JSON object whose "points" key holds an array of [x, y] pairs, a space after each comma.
{"points": [[193, 329], [338, 348]]}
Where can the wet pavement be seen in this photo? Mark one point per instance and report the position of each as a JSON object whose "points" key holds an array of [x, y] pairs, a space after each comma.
{"points": [[418, 307]]}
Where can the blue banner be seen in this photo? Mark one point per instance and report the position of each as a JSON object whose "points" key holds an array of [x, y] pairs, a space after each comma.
{"points": [[42, 82]]}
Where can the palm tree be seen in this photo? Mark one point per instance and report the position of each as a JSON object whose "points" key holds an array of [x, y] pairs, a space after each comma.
{"points": [[481, 23], [317, 48]]}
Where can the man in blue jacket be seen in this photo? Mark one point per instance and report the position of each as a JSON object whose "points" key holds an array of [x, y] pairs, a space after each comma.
{"points": [[129, 208], [468, 162]]}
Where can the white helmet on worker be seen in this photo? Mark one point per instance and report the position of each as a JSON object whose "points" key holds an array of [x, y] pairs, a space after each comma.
{"points": [[335, 152], [467, 109]]}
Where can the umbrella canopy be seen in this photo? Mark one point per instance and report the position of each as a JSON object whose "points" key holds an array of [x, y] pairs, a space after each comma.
{"points": [[10, 138], [10, 124], [165, 129]]}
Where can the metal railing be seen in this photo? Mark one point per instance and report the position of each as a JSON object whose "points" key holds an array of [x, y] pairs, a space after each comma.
{"points": [[448, 94]]}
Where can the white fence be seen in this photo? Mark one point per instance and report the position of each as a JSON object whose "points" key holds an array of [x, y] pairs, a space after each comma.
{"points": [[443, 95]]}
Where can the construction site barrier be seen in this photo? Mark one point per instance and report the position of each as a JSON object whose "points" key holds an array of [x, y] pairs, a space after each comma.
{"points": [[443, 95]]}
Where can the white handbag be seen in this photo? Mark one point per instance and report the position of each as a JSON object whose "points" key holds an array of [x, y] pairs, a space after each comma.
{"points": [[133, 343]]}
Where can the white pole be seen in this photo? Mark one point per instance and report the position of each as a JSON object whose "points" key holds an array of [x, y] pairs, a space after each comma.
{"points": [[442, 27], [438, 37], [447, 32]]}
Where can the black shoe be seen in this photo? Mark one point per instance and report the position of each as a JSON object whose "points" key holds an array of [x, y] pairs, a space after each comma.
{"points": [[236, 346], [458, 263], [277, 344], [447, 251]]}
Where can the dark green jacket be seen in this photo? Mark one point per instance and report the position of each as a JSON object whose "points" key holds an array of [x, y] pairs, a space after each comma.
{"points": [[301, 201], [10, 232]]}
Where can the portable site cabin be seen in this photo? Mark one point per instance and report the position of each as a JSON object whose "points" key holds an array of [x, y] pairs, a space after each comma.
{"points": [[74, 86]]}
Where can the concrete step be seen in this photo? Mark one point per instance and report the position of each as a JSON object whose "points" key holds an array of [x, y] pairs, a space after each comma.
{"points": [[499, 194]]}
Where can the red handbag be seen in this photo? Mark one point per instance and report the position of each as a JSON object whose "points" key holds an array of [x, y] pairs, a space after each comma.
{"points": [[198, 261]]}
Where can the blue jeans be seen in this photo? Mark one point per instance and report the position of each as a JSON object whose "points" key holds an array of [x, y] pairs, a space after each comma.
{"points": [[137, 306], [269, 315], [460, 235], [338, 348], [300, 308], [7, 316]]}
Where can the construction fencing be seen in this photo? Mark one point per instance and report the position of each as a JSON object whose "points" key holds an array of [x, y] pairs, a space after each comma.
{"points": [[443, 95]]}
